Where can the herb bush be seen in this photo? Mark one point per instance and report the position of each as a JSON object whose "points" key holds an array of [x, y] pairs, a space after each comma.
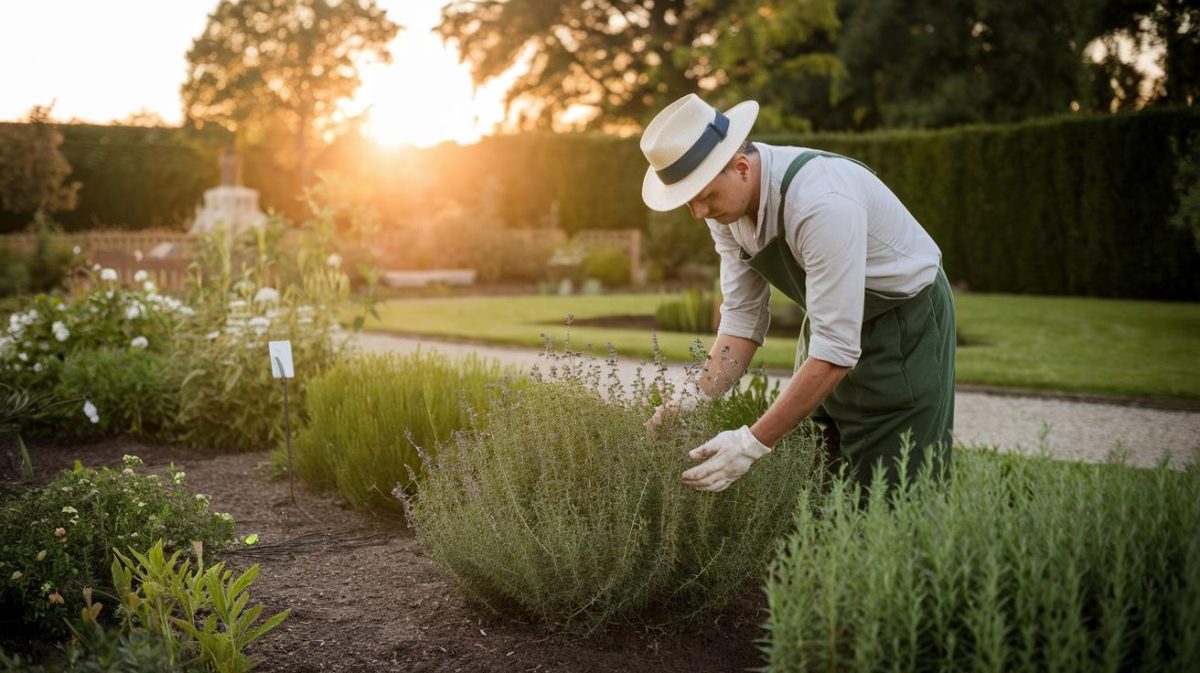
{"points": [[561, 507], [59, 539], [368, 414], [610, 266], [1017, 564]]}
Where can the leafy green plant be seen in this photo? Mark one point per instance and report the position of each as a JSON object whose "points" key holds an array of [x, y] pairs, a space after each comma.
{"points": [[200, 613], [1016, 564], [691, 311], [56, 540], [228, 399], [560, 507], [129, 385], [367, 417]]}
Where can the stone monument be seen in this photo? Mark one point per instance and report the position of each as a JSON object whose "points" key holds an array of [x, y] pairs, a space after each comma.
{"points": [[229, 205]]}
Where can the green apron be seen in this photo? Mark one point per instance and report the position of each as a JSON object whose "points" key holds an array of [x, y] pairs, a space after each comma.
{"points": [[904, 379]]}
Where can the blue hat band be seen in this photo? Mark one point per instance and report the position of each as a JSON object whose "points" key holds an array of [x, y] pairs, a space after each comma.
{"points": [[713, 134]]}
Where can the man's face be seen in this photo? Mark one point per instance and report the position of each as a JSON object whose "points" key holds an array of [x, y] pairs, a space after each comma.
{"points": [[727, 197]]}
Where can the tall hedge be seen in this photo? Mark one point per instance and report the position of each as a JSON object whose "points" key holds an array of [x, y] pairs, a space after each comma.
{"points": [[1077, 205], [133, 177]]}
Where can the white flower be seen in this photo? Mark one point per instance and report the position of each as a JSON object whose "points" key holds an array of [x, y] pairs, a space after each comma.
{"points": [[95, 267], [22, 357], [137, 255], [108, 274], [305, 321], [149, 286], [186, 311], [212, 335], [108, 295], [334, 260], [134, 311], [237, 305], [260, 324], [60, 331], [140, 276], [304, 310], [76, 250], [89, 410], [37, 366], [266, 294], [139, 342]]}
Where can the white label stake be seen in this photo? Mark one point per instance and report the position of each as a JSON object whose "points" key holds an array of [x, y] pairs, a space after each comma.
{"points": [[281, 359], [282, 368]]}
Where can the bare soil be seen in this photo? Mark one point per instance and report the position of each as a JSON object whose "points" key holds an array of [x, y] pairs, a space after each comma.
{"points": [[364, 597]]}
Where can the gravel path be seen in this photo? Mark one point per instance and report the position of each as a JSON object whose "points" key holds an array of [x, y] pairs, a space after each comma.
{"points": [[1066, 429]]}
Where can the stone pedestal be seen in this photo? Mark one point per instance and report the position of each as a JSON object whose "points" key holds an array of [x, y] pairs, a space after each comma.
{"points": [[232, 207]]}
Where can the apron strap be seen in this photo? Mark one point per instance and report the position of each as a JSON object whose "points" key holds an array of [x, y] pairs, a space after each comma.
{"points": [[794, 168]]}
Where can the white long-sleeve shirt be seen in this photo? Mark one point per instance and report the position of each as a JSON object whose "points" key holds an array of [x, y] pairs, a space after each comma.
{"points": [[848, 232]]}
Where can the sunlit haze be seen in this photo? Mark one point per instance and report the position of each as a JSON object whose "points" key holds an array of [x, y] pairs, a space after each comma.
{"points": [[102, 62]]}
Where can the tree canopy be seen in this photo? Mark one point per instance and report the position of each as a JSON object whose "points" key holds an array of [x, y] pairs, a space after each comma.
{"points": [[33, 169], [831, 64], [259, 61]]}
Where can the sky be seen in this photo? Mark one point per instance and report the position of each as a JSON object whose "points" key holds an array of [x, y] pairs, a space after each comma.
{"points": [[104, 60]]}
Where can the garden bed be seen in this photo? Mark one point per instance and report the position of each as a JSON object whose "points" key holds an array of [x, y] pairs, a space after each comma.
{"points": [[376, 602]]}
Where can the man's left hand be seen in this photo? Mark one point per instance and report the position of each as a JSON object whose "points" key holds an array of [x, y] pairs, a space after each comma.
{"points": [[729, 455]]}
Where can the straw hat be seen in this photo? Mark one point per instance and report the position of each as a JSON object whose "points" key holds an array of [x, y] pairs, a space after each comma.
{"points": [[688, 144]]}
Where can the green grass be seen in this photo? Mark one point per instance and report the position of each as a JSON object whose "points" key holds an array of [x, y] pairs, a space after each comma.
{"points": [[1069, 344]]}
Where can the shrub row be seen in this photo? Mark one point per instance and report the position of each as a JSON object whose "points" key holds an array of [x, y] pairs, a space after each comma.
{"points": [[1019, 564]]}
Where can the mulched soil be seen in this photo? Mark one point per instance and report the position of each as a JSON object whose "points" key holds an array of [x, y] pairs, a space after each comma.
{"points": [[375, 602]]}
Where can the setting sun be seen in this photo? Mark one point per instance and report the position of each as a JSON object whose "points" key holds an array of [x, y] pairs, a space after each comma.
{"points": [[425, 95]]}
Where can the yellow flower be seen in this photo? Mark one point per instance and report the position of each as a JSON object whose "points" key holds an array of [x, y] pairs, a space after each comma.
{"points": [[41, 555]]}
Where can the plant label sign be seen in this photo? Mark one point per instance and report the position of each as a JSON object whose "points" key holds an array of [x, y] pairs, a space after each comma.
{"points": [[281, 359]]}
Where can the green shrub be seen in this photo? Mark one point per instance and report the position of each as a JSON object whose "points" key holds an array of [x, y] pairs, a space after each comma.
{"points": [[561, 508], [366, 414], [129, 388], [691, 312], [610, 266], [1018, 564], [59, 539], [228, 400]]}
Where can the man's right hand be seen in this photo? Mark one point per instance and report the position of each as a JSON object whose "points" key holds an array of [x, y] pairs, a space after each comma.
{"points": [[668, 413]]}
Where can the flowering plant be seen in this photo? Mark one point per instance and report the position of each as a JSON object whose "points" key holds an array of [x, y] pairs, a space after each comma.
{"points": [[56, 540]]}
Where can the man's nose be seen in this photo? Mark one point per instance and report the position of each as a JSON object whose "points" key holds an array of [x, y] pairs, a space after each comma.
{"points": [[698, 210]]}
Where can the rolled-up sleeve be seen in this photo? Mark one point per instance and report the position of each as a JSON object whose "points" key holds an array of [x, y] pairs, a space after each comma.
{"points": [[745, 308], [831, 234]]}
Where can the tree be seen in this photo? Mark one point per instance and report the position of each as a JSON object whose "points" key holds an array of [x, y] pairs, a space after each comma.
{"points": [[33, 169], [623, 58], [257, 59]]}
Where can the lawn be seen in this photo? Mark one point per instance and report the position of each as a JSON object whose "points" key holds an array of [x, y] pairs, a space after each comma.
{"points": [[1069, 344]]}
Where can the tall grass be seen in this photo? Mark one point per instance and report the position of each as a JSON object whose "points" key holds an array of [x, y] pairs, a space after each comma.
{"points": [[365, 414], [561, 508], [1017, 565]]}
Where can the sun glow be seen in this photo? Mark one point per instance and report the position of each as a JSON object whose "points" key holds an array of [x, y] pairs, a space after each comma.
{"points": [[425, 95]]}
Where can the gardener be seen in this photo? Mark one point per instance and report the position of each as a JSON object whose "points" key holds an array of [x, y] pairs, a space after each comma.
{"points": [[830, 235]]}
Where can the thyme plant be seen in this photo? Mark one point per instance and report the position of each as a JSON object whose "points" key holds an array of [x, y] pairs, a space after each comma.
{"points": [[560, 506]]}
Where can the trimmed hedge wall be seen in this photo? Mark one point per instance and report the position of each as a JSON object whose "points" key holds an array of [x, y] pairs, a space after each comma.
{"points": [[1062, 206], [1076, 205], [1072, 206], [133, 177]]}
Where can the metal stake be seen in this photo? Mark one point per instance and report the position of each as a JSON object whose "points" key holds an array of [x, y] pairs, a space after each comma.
{"points": [[287, 432]]}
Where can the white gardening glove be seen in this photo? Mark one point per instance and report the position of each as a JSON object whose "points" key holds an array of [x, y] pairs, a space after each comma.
{"points": [[730, 455]]}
